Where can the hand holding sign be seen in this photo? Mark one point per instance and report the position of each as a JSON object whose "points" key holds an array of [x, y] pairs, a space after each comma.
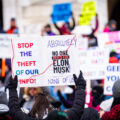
{"points": [[13, 83], [80, 81]]}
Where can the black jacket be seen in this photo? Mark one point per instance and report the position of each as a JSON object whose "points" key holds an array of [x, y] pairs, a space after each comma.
{"points": [[74, 113]]}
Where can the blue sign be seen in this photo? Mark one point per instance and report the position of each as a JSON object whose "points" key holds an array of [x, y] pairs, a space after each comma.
{"points": [[61, 12]]}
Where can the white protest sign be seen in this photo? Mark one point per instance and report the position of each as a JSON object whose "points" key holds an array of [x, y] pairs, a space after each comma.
{"points": [[5, 45], [26, 60], [44, 61], [92, 62], [60, 51], [112, 74]]}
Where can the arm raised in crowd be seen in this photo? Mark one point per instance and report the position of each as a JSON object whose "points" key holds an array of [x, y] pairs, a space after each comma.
{"points": [[73, 23], [14, 107], [77, 109]]}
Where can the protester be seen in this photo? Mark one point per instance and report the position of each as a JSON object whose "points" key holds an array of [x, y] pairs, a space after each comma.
{"points": [[29, 97], [13, 28], [74, 113], [70, 98], [105, 106], [98, 97], [114, 113], [47, 31], [66, 27], [89, 33], [111, 26]]}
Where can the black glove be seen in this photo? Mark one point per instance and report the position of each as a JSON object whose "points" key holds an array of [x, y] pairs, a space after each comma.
{"points": [[13, 83], [80, 81]]}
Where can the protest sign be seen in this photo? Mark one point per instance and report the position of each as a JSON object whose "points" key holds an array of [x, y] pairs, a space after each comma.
{"points": [[112, 74], [92, 63], [61, 12], [88, 11], [5, 45], [43, 61], [60, 52], [26, 60]]}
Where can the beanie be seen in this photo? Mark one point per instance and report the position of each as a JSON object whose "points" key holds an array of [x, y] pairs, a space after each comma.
{"points": [[116, 89], [57, 115], [90, 114]]}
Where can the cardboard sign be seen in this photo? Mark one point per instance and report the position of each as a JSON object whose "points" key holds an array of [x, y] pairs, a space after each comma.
{"points": [[44, 61], [112, 74], [88, 11], [61, 12]]}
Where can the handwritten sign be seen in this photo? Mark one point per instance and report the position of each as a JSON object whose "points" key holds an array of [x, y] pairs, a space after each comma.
{"points": [[92, 63], [43, 61], [112, 74], [5, 45], [88, 11], [114, 36], [61, 12]]}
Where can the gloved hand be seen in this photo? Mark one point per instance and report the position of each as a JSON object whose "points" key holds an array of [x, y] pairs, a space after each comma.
{"points": [[80, 81], [13, 83]]}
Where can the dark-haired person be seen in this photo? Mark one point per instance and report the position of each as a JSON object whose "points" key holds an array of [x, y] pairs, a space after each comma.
{"points": [[13, 28], [74, 113], [47, 30], [66, 28]]}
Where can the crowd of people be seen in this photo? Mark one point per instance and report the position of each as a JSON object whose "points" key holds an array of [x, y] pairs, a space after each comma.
{"points": [[43, 103]]}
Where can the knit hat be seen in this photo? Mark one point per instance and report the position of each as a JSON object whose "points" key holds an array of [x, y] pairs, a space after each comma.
{"points": [[90, 114], [57, 115], [106, 105], [116, 89]]}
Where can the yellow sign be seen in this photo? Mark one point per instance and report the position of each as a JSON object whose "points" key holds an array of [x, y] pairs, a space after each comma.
{"points": [[88, 11]]}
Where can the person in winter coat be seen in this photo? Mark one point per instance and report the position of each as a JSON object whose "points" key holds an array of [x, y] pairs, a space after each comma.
{"points": [[74, 113], [29, 97], [70, 98], [13, 28], [66, 27], [110, 26], [47, 31], [98, 97], [114, 113]]}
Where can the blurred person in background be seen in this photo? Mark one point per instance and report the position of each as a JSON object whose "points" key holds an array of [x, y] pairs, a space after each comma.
{"points": [[67, 102], [111, 26], [114, 113], [92, 39], [89, 33], [66, 28], [29, 97], [13, 28], [47, 31], [98, 97], [4, 110]]}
